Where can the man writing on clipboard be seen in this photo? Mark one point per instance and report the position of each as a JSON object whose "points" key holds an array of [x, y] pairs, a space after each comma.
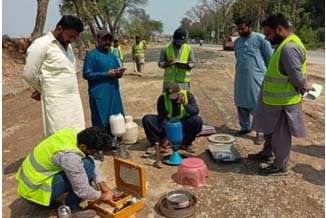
{"points": [[177, 60]]}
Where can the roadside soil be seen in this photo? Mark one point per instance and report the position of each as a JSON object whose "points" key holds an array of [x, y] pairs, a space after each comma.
{"points": [[231, 190]]}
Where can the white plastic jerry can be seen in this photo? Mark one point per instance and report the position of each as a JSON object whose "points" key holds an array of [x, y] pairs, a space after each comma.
{"points": [[117, 125], [131, 135]]}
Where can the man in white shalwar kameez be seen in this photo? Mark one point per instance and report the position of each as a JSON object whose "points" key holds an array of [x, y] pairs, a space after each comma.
{"points": [[51, 70]]}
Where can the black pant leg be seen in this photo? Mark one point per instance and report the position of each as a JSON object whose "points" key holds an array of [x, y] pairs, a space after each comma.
{"points": [[191, 127], [153, 129]]}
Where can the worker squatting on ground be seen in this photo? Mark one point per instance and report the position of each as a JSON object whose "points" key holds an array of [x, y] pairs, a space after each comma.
{"points": [[62, 163], [252, 54], [138, 55], [173, 104], [177, 60], [102, 72], [51, 70], [279, 111]]}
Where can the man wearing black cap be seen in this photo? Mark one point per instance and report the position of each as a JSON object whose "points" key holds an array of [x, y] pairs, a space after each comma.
{"points": [[177, 60], [101, 70], [62, 163], [173, 104]]}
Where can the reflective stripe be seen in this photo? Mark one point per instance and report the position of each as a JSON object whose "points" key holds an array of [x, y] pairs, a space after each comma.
{"points": [[180, 52], [276, 80], [280, 94], [43, 187], [38, 167]]}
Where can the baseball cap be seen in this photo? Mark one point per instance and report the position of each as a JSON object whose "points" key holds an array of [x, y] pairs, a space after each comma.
{"points": [[179, 34], [103, 33], [173, 90]]}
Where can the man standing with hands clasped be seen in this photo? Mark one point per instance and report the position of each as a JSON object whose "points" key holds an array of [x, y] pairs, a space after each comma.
{"points": [[102, 71], [252, 52], [279, 111], [51, 70]]}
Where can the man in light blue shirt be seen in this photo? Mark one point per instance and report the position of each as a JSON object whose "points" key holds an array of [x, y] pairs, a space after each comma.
{"points": [[252, 54]]}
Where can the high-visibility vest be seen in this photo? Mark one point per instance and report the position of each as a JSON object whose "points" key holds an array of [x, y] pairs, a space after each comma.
{"points": [[37, 171], [277, 88], [173, 73], [119, 50], [139, 49], [169, 109]]}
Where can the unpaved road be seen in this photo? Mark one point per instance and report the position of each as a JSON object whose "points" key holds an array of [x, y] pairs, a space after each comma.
{"points": [[232, 190]]}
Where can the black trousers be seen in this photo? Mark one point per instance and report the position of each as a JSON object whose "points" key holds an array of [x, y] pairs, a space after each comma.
{"points": [[155, 131]]}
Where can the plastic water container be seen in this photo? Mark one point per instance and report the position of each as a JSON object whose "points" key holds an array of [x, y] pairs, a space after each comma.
{"points": [[173, 131], [131, 134], [117, 125]]}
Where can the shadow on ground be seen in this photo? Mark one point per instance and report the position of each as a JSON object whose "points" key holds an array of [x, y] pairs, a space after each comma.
{"points": [[13, 167], [227, 130], [312, 150], [244, 166], [22, 208], [310, 174]]}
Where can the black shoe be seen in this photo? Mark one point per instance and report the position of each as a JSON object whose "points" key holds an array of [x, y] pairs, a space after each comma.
{"points": [[274, 171], [243, 132], [260, 157]]}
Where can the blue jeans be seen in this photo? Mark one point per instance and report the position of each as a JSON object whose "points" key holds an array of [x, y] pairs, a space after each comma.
{"points": [[61, 184], [244, 117]]}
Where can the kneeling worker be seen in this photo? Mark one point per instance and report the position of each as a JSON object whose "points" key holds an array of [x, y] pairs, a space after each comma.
{"points": [[60, 164], [173, 104]]}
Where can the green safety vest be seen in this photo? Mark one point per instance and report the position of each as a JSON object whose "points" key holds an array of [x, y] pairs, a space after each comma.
{"points": [[277, 88], [37, 171], [139, 49], [168, 106], [173, 73], [120, 51]]}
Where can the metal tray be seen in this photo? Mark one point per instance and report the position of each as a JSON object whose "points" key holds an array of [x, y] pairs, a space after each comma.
{"points": [[224, 152]]}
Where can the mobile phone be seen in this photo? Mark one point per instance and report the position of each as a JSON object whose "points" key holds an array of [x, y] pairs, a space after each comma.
{"points": [[122, 69]]}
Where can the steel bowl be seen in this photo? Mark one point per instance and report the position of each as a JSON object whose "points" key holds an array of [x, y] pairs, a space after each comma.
{"points": [[174, 211], [178, 199]]}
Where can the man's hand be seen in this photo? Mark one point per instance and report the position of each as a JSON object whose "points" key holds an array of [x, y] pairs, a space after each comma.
{"points": [[113, 73], [120, 72], [310, 88], [107, 193], [182, 99], [106, 196], [169, 63], [104, 187], [36, 95]]}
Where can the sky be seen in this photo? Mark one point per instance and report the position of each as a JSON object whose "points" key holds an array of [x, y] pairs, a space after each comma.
{"points": [[18, 16]]}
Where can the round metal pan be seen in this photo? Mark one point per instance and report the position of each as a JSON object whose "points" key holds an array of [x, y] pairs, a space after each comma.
{"points": [[178, 199], [177, 212], [221, 138]]}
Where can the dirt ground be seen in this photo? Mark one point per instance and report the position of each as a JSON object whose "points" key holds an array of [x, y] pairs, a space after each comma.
{"points": [[231, 190]]}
